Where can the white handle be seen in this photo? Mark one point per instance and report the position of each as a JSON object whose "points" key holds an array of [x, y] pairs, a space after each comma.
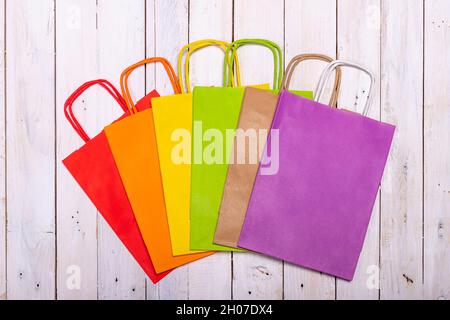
{"points": [[340, 63]]}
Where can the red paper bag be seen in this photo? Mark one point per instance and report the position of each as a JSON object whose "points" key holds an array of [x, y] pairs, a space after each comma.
{"points": [[94, 169]]}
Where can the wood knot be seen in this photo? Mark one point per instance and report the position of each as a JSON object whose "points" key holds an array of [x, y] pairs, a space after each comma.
{"points": [[408, 279]]}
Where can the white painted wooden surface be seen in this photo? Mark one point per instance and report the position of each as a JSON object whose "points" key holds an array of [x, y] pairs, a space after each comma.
{"points": [[30, 146], [47, 225], [402, 187], [2, 163], [76, 216], [437, 150]]}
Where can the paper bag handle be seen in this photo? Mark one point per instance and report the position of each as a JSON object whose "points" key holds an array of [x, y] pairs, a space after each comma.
{"points": [[341, 63], [277, 56], [126, 74], [312, 56], [68, 106], [185, 84]]}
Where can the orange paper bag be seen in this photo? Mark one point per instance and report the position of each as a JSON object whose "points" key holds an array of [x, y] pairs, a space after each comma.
{"points": [[133, 144]]}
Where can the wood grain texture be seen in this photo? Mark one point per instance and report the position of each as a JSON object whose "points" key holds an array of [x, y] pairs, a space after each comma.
{"points": [[210, 278], [303, 35], [2, 160], [402, 187], [76, 215], [437, 150], [31, 149], [121, 39], [167, 31], [255, 276], [405, 43], [359, 41]]}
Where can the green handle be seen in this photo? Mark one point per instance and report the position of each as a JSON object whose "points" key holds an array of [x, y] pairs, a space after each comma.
{"points": [[277, 55]]}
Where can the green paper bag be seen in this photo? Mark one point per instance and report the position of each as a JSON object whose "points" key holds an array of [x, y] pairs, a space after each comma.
{"points": [[216, 114], [216, 111]]}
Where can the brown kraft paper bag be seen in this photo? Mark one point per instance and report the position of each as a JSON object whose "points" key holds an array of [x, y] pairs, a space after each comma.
{"points": [[240, 178]]}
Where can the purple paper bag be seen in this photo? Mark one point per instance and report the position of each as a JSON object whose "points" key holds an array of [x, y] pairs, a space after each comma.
{"points": [[314, 212]]}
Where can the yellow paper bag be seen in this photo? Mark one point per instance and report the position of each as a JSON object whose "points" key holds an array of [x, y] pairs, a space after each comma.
{"points": [[173, 123], [173, 127]]}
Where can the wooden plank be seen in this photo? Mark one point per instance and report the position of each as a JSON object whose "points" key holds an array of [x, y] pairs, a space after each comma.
{"points": [[402, 186], [437, 150], [210, 278], [121, 38], [359, 41], [76, 216], [2, 157], [255, 276], [310, 28], [31, 149], [167, 31]]}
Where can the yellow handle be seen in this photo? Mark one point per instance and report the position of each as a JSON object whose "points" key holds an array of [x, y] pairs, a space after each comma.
{"points": [[185, 84]]}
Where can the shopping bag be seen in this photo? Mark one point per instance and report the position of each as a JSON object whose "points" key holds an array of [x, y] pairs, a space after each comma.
{"points": [[314, 212], [173, 128], [133, 144], [215, 115], [94, 169], [258, 108]]}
